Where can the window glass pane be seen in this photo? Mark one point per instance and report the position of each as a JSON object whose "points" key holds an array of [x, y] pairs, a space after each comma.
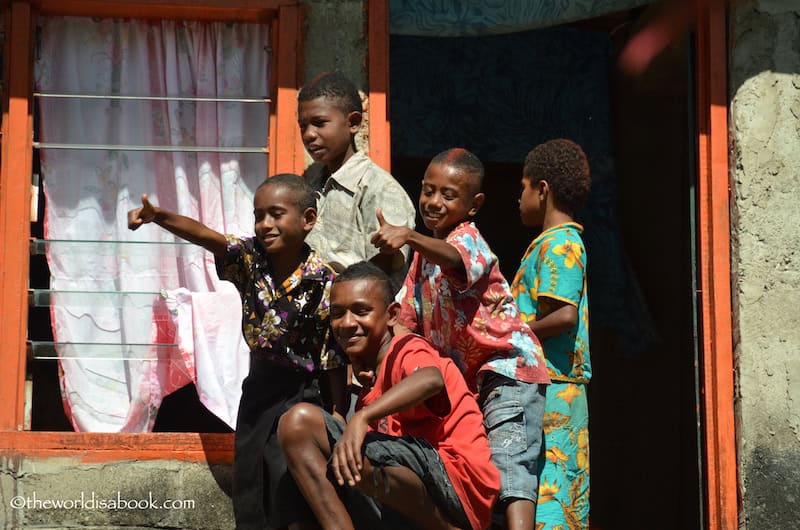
{"points": [[119, 303]]}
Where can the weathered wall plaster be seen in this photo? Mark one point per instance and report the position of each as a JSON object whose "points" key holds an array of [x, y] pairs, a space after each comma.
{"points": [[765, 128], [336, 38], [68, 493]]}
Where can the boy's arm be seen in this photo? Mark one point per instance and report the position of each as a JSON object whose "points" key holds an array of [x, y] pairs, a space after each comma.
{"points": [[560, 320], [180, 225], [390, 238], [421, 385]]}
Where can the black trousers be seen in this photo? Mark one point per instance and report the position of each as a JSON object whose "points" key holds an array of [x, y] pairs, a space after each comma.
{"points": [[264, 492]]}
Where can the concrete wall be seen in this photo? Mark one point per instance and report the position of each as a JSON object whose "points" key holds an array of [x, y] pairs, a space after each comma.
{"points": [[765, 164], [336, 39], [67, 493]]}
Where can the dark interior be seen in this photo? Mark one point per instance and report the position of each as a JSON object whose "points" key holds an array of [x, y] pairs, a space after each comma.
{"points": [[644, 425]]}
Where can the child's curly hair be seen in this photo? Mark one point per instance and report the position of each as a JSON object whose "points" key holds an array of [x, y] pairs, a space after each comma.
{"points": [[563, 164]]}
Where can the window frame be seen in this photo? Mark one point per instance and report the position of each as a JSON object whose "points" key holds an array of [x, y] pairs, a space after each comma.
{"points": [[714, 265], [285, 155]]}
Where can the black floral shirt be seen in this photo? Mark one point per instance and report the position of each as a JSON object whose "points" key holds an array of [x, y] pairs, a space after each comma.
{"points": [[286, 324]]}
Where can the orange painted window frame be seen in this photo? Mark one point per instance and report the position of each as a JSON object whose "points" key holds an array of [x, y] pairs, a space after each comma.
{"points": [[721, 481], [285, 155], [380, 144]]}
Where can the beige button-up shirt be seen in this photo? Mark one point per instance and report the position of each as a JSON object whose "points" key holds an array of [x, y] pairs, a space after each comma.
{"points": [[346, 218]]}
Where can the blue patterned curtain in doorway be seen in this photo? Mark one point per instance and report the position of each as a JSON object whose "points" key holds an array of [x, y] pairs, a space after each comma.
{"points": [[501, 95], [456, 18]]}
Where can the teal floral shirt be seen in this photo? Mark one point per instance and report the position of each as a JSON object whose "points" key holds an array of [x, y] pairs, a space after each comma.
{"points": [[287, 324], [554, 268]]}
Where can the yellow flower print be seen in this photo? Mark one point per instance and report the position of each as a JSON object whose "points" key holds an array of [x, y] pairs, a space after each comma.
{"points": [[480, 325], [554, 454], [582, 455], [547, 491], [569, 393], [271, 324], [495, 301], [572, 517], [554, 421], [570, 251]]}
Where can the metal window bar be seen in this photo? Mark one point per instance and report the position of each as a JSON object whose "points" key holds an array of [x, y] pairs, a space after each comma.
{"points": [[48, 350], [153, 98], [152, 148], [113, 299], [40, 247], [161, 148]]}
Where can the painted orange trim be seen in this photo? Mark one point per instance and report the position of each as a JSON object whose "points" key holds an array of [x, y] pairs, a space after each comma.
{"points": [[288, 149], [380, 140], [272, 159], [15, 187], [240, 10], [97, 447], [715, 267]]}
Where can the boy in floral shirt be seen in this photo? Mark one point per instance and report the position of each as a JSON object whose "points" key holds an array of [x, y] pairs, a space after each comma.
{"points": [[455, 295], [285, 290], [550, 288]]}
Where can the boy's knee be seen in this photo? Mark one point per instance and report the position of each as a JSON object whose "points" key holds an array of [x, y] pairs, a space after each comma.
{"points": [[299, 423]]}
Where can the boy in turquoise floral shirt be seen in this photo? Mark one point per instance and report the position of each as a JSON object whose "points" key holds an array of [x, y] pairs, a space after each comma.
{"points": [[550, 290]]}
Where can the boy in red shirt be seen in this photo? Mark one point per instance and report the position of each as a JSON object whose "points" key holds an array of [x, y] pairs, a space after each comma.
{"points": [[416, 444]]}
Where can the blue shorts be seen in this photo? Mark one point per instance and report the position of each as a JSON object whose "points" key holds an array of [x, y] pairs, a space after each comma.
{"points": [[416, 454], [513, 412]]}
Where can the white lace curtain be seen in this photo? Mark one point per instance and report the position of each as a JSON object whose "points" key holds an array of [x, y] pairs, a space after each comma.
{"points": [[89, 190]]}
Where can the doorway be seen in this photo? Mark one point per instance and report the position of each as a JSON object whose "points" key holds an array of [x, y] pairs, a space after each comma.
{"points": [[501, 95]]}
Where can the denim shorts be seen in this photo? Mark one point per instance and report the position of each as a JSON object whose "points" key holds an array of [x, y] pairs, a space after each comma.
{"points": [[419, 456], [513, 412]]}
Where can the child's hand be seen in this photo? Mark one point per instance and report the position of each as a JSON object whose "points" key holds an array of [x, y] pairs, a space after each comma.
{"points": [[347, 460], [139, 216], [389, 238]]}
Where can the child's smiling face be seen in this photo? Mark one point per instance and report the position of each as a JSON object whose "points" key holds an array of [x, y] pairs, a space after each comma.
{"points": [[360, 319], [280, 225], [327, 131], [448, 197]]}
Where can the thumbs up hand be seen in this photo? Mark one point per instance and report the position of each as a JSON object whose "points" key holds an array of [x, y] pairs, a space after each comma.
{"points": [[139, 216], [389, 238]]}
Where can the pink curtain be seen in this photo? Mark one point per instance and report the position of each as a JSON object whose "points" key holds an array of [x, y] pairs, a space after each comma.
{"points": [[89, 192]]}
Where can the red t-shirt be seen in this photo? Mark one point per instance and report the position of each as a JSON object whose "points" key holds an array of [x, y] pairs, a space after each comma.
{"points": [[451, 421]]}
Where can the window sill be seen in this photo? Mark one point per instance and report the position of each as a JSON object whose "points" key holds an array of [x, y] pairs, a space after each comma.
{"points": [[213, 448]]}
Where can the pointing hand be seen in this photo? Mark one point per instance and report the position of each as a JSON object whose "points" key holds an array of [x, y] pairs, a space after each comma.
{"points": [[139, 216]]}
